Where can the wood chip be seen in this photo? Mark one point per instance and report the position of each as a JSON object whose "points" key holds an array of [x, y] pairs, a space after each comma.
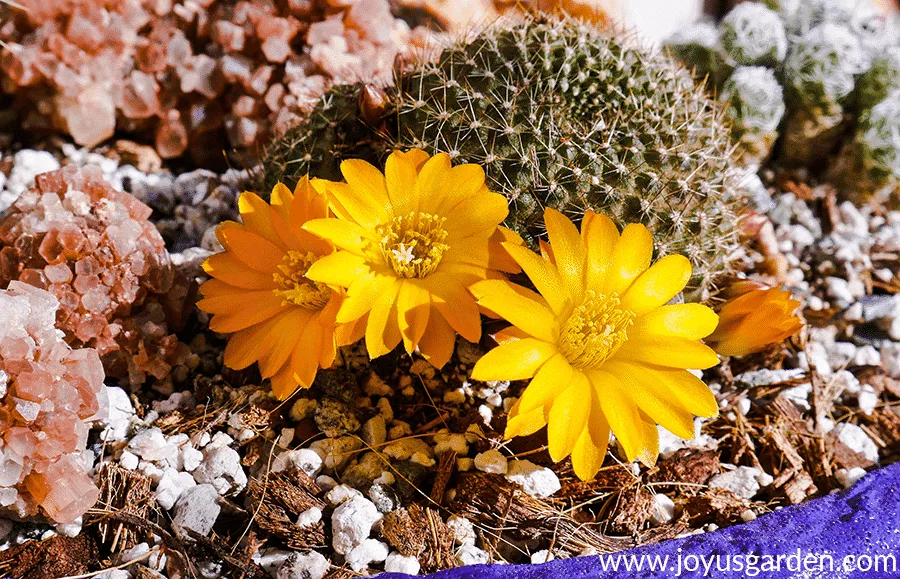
{"points": [[693, 467], [122, 491], [446, 465], [58, 556], [279, 498], [719, 506], [419, 532], [631, 511]]}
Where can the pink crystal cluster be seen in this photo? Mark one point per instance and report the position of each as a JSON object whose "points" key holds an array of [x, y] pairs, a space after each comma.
{"points": [[95, 251], [186, 74], [47, 393]]}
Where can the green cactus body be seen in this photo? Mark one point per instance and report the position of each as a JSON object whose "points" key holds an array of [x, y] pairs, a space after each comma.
{"points": [[880, 80], [698, 47], [820, 72], [331, 132], [559, 115], [871, 159]]}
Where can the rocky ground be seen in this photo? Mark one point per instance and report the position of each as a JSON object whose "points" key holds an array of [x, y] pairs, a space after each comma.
{"points": [[400, 467]]}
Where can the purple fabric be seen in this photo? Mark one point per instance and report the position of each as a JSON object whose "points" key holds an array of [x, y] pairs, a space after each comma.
{"points": [[862, 522]]}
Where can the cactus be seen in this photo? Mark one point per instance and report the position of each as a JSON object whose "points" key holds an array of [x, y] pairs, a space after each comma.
{"points": [[820, 73], [872, 158], [698, 47], [751, 34], [842, 61], [332, 131], [756, 105], [879, 81], [560, 115]]}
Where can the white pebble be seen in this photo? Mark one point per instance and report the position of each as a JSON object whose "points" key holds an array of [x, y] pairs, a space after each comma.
{"points": [[857, 440], [491, 461], [471, 555], [309, 565], [398, 563], [352, 522], [303, 459], [663, 509], [743, 481], [309, 517], [541, 556], [463, 530], [368, 552], [848, 478], [535, 480]]}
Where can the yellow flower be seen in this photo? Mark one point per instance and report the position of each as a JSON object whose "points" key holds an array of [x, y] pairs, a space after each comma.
{"points": [[260, 293], [755, 319], [411, 241], [600, 346]]}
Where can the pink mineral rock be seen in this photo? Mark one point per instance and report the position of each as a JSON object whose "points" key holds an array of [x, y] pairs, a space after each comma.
{"points": [[48, 393], [95, 250], [94, 68]]}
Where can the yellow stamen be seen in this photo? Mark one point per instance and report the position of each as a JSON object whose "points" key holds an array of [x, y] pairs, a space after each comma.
{"points": [[413, 245], [294, 287], [595, 330]]}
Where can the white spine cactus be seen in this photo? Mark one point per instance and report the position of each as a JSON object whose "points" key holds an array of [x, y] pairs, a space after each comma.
{"points": [[880, 80], [756, 106], [752, 34], [822, 65]]}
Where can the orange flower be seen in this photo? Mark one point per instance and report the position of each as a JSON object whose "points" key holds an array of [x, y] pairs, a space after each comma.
{"points": [[755, 319], [260, 292]]}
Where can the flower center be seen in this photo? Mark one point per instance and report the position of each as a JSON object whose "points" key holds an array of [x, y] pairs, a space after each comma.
{"points": [[595, 330], [294, 287], [413, 245]]}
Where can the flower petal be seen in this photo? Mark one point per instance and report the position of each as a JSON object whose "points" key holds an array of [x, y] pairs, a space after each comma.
{"points": [[259, 310], [400, 175], [340, 269], [463, 182], [568, 250], [548, 382], [305, 358], [433, 178], [478, 214], [525, 423], [282, 341], [668, 351], [590, 449], [649, 451], [689, 321], [523, 309], [360, 298], [513, 361], [641, 387], [601, 237], [382, 331], [438, 342], [542, 274], [226, 268], [455, 304], [257, 216], [248, 346], [631, 258], [368, 181], [657, 285], [240, 303], [687, 390], [283, 383], [568, 417], [251, 249], [621, 413], [413, 310], [352, 204]]}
